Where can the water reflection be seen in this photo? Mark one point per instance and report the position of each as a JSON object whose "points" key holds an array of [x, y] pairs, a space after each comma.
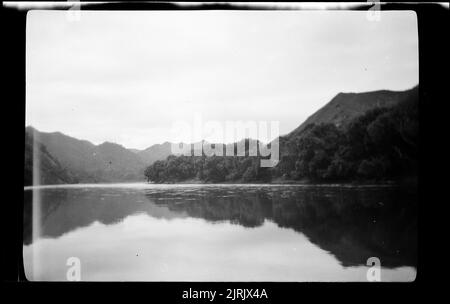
{"points": [[351, 224]]}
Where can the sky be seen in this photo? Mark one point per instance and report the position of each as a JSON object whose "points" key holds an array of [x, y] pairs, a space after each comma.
{"points": [[129, 77]]}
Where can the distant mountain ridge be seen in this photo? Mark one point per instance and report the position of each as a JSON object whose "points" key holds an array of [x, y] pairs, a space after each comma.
{"points": [[155, 152], [89, 163]]}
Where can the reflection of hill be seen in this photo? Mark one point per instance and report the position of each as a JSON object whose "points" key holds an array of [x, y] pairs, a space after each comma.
{"points": [[351, 224], [354, 225], [64, 210]]}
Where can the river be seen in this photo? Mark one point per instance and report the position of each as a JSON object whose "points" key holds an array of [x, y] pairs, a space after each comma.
{"points": [[215, 232]]}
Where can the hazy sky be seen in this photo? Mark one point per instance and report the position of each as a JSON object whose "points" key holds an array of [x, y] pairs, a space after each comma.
{"points": [[127, 77]]}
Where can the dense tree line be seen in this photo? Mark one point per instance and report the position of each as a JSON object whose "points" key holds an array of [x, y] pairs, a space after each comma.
{"points": [[379, 145], [213, 169]]}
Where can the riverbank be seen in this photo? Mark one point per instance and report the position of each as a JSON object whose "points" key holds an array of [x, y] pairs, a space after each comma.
{"points": [[404, 182]]}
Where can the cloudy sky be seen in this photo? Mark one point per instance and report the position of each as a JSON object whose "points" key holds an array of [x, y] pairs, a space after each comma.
{"points": [[128, 77]]}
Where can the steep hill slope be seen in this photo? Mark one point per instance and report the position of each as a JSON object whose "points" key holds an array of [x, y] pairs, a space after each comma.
{"points": [[346, 106], [48, 168]]}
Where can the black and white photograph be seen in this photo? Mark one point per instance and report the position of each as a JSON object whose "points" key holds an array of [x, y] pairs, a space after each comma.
{"points": [[221, 145]]}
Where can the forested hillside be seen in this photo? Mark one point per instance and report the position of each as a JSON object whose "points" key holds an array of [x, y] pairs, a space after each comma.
{"points": [[379, 145]]}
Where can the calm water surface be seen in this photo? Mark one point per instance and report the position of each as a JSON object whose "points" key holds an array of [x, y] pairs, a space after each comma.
{"points": [[134, 232]]}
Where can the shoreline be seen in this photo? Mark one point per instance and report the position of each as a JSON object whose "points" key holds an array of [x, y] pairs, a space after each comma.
{"points": [[406, 182]]}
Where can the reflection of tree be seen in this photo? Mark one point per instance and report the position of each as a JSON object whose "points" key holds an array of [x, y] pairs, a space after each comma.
{"points": [[354, 225], [351, 224], [218, 205]]}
